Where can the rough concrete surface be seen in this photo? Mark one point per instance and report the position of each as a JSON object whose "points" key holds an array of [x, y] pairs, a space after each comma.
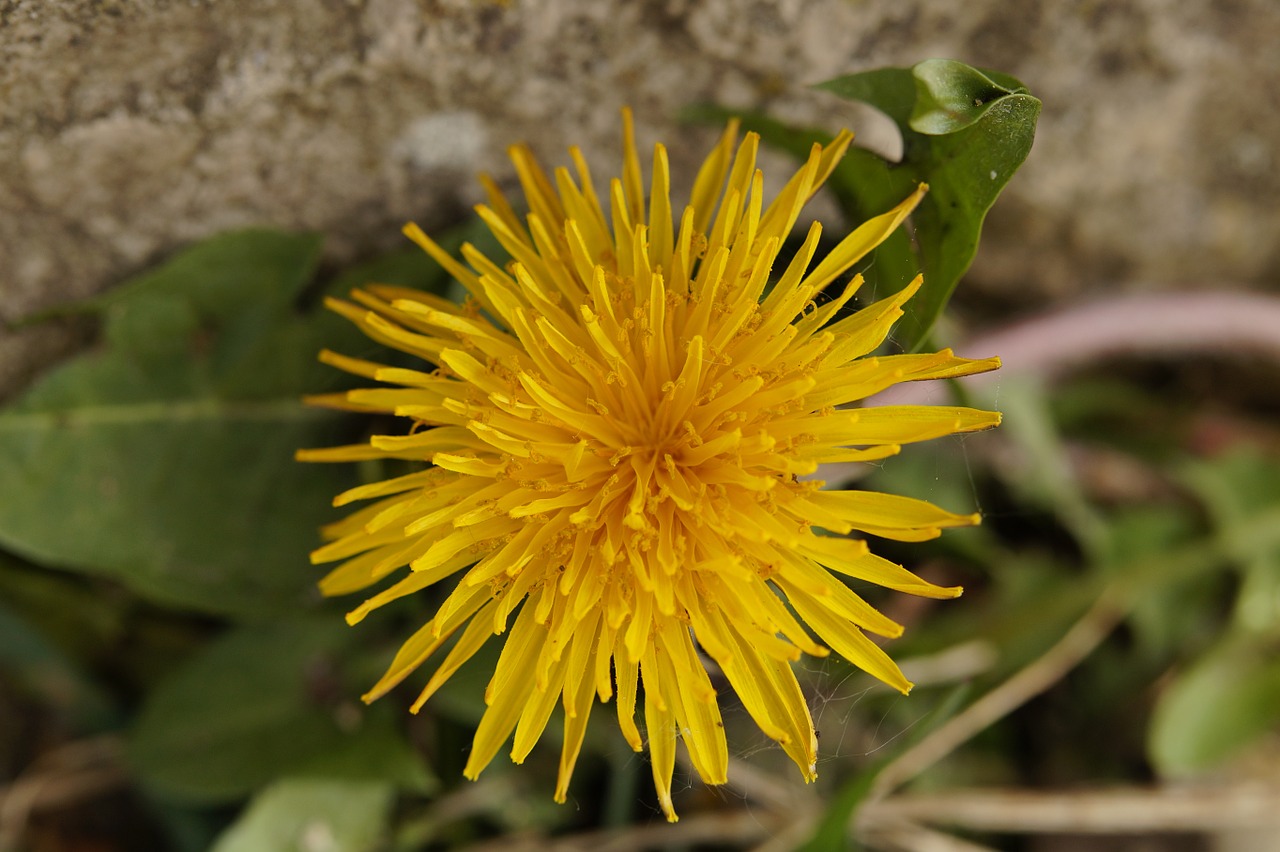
{"points": [[129, 128]]}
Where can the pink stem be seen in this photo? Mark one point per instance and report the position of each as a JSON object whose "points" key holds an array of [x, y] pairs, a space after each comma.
{"points": [[1150, 324]]}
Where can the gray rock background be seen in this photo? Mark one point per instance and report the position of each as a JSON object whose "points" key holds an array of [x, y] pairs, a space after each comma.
{"points": [[129, 128]]}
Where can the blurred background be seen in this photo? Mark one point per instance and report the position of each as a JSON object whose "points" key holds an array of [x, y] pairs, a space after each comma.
{"points": [[1110, 679]]}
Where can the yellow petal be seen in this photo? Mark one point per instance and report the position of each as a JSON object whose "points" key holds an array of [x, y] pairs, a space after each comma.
{"points": [[660, 724], [508, 692], [578, 699], [860, 243], [849, 642]]}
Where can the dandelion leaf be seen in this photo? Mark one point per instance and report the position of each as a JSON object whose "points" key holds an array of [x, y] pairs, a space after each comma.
{"points": [[163, 457]]}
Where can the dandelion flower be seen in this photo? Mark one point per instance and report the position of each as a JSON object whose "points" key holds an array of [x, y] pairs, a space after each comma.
{"points": [[617, 429]]}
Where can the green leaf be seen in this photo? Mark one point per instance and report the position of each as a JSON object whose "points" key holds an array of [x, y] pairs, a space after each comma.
{"points": [[965, 132], [262, 702], [1234, 488], [164, 458], [378, 751], [306, 815], [1171, 617], [1216, 709], [951, 96]]}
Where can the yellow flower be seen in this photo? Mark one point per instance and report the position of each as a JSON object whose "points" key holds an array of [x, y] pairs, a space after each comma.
{"points": [[618, 424]]}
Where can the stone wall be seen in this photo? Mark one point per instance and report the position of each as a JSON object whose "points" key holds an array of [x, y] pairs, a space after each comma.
{"points": [[129, 128]]}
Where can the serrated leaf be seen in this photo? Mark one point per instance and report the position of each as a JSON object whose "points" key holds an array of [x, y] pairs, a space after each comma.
{"points": [[254, 706], [965, 132], [1216, 709], [307, 815], [164, 458]]}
